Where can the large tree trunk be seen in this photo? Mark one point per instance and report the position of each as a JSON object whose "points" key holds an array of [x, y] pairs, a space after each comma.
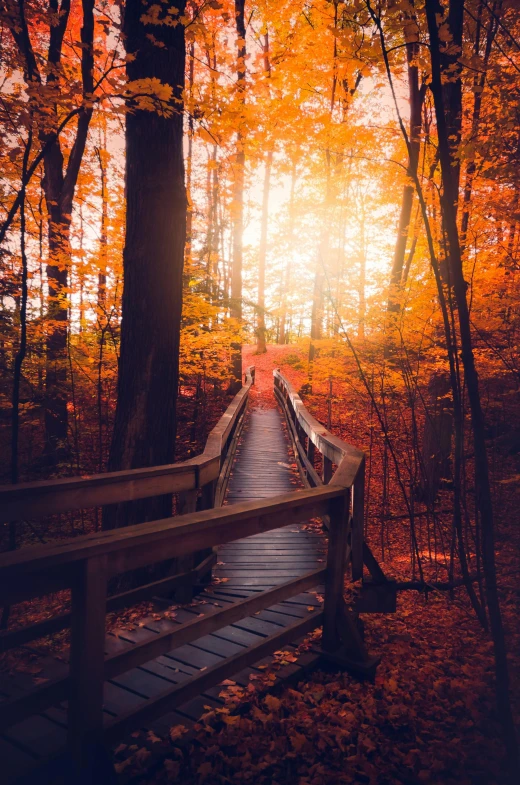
{"points": [[144, 429], [238, 198], [445, 106]]}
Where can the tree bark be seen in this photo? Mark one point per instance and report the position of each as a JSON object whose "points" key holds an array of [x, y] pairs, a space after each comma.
{"points": [[153, 257], [286, 278], [238, 198], [445, 111], [416, 99], [261, 347], [59, 184]]}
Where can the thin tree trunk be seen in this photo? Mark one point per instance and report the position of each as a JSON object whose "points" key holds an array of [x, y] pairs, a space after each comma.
{"points": [[478, 85], [189, 157], [238, 198], [261, 347], [59, 184], [362, 305], [416, 99], [286, 278]]}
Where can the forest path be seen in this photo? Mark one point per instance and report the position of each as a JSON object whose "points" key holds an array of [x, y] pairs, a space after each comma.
{"points": [[264, 467]]}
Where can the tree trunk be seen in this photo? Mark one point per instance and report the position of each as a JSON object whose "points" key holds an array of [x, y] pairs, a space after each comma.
{"points": [[286, 278], [261, 347], [416, 100], [189, 157], [238, 198], [444, 111], [59, 184], [144, 429], [362, 306], [479, 82]]}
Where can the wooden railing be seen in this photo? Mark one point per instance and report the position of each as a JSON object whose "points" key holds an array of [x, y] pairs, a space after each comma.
{"points": [[198, 483], [309, 436], [35, 499], [86, 564]]}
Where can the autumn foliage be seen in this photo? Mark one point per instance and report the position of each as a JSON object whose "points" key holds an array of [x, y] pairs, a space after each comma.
{"points": [[348, 186]]}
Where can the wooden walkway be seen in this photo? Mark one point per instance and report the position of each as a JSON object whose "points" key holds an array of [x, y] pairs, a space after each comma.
{"points": [[263, 468]]}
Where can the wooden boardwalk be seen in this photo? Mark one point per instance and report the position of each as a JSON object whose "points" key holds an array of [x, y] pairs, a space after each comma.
{"points": [[263, 468]]}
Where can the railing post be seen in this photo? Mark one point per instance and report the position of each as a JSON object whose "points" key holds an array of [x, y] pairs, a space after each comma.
{"points": [[358, 520], [207, 502], [186, 503], [336, 563], [87, 655], [208, 495], [311, 449], [326, 474]]}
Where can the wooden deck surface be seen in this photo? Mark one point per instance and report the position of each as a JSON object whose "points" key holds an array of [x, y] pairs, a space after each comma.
{"points": [[263, 468]]}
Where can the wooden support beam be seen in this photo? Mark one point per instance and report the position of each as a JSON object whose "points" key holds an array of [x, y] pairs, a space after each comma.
{"points": [[311, 449], [186, 503], [87, 655], [326, 473], [358, 523], [336, 563]]}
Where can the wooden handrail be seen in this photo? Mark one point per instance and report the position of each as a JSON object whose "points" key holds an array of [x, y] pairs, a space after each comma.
{"points": [[30, 572], [86, 564], [349, 461], [36, 499], [330, 446]]}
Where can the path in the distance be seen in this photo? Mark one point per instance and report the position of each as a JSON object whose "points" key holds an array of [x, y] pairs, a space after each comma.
{"points": [[264, 467]]}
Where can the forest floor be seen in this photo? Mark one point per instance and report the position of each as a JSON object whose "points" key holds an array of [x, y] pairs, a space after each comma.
{"points": [[429, 717]]}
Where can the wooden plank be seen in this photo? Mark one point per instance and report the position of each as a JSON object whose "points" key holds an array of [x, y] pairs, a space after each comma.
{"points": [[217, 645], [37, 735], [176, 696], [196, 658], [237, 635]]}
